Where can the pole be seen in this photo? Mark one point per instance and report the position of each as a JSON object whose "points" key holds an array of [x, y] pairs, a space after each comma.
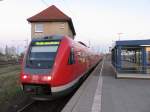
{"points": [[119, 35]]}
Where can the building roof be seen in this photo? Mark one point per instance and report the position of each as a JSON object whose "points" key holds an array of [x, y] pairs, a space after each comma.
{"points": [[52, 14], [133, 43]]}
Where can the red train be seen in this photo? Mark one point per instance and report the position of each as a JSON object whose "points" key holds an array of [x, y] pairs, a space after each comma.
{"points": [[53, 66]]}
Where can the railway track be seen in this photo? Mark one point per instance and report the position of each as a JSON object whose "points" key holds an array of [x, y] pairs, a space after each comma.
{"points": [[29, 105], [45, 106], [26, 106], [7, 62]]}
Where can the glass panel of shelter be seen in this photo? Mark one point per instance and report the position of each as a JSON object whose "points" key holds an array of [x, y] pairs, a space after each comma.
{"points": [[131, 60], [148, 59]]}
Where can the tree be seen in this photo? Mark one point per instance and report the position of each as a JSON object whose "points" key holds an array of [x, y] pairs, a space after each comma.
{"points": [[1, 51], [6, 51]]}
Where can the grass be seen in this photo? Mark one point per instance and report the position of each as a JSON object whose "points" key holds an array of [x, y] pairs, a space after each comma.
{"points": [[9, 68], [9, 86]]}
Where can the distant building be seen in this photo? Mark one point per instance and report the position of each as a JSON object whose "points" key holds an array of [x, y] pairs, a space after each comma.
{"points": [[51, 21]]}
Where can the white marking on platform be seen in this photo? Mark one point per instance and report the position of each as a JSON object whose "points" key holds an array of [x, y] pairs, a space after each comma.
{"points": [[96, 107]]}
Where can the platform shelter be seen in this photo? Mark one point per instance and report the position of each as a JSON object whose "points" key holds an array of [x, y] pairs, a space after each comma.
{"points": [[132, 57]]}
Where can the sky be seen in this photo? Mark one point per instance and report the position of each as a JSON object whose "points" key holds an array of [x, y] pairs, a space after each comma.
{"points": [[97, 22]]}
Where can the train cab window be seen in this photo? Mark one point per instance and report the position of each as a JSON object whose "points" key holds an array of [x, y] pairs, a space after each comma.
{"points": [[42, 56], [71, 57]]}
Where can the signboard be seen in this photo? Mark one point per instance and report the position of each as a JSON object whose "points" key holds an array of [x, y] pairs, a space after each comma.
{"points": [[47, 43]]}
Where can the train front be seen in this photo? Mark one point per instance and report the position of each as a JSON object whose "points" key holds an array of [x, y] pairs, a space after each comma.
{"points": [[37, 68]]}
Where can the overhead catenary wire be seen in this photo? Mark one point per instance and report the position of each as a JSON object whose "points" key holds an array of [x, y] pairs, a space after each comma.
{"points": [[45, 3]]}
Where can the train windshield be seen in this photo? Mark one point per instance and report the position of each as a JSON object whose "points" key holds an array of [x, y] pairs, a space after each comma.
{"points": [[42, 56]]}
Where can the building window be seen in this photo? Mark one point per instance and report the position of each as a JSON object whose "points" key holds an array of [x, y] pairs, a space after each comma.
{"points": [[39, 28], [62, 26]]}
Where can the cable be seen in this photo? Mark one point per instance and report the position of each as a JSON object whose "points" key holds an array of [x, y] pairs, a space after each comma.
{"points": [[43, 1]]}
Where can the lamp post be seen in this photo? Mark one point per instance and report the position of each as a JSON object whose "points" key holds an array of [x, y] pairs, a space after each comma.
{"points": [[119, 35]]}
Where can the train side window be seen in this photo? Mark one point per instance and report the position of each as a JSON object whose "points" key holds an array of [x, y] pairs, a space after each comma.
{"points": [[71, 57]]}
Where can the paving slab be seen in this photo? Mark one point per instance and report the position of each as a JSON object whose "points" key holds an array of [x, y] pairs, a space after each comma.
{"points": [[124, 95]]}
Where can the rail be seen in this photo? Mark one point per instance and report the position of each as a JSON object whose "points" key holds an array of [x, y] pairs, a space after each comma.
{"points": [[10, 62], [26, 106]]}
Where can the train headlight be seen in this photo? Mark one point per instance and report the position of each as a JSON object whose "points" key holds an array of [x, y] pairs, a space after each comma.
{"points": [[24, 77], [47, 78]]}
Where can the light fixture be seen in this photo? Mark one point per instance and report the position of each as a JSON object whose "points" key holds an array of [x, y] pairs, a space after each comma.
{"points": [[46, 78], [145, 45], [24, 76]]}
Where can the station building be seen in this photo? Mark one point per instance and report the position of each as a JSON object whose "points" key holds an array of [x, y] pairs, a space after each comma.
{"points": [[131, 58], [51, 21]]}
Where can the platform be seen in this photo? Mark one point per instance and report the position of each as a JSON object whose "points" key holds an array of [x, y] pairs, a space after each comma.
{"points": [[104, 93], [130, 75], [83, 99], [133, 76]]}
